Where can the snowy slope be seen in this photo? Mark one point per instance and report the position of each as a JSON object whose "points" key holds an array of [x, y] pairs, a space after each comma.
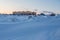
{"points": [[29, 27]]}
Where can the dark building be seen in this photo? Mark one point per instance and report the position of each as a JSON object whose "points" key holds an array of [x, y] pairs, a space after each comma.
{"points": [[24, 13]]}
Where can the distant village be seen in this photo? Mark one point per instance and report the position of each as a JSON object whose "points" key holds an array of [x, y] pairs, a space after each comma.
{"points": [[23, 13], [31, 13]]}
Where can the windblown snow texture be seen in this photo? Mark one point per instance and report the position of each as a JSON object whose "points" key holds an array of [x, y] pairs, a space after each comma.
{"points": [[29, 27]]}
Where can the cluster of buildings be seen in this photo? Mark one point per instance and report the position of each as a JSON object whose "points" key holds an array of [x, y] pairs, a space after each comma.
{"points": [[32, 13], [24, 13]]}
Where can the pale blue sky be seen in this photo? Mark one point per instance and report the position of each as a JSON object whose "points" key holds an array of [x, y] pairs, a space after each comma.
{"points": [[8, 6]]}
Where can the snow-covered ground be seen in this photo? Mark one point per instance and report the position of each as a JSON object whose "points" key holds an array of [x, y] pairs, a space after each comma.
{"points": [[29, 27]]}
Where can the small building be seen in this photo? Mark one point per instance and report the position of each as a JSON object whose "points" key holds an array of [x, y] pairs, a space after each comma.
{"points": [[48, 13]]}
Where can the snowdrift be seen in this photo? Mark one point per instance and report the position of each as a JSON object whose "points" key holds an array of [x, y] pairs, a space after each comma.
{"points": [[29, 27]]}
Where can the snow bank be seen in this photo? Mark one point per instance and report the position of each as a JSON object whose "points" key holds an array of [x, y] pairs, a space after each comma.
{"points": [[30, 27]]}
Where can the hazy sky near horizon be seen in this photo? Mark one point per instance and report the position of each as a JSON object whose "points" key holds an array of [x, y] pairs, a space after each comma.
{"points": [[7, 6]]}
